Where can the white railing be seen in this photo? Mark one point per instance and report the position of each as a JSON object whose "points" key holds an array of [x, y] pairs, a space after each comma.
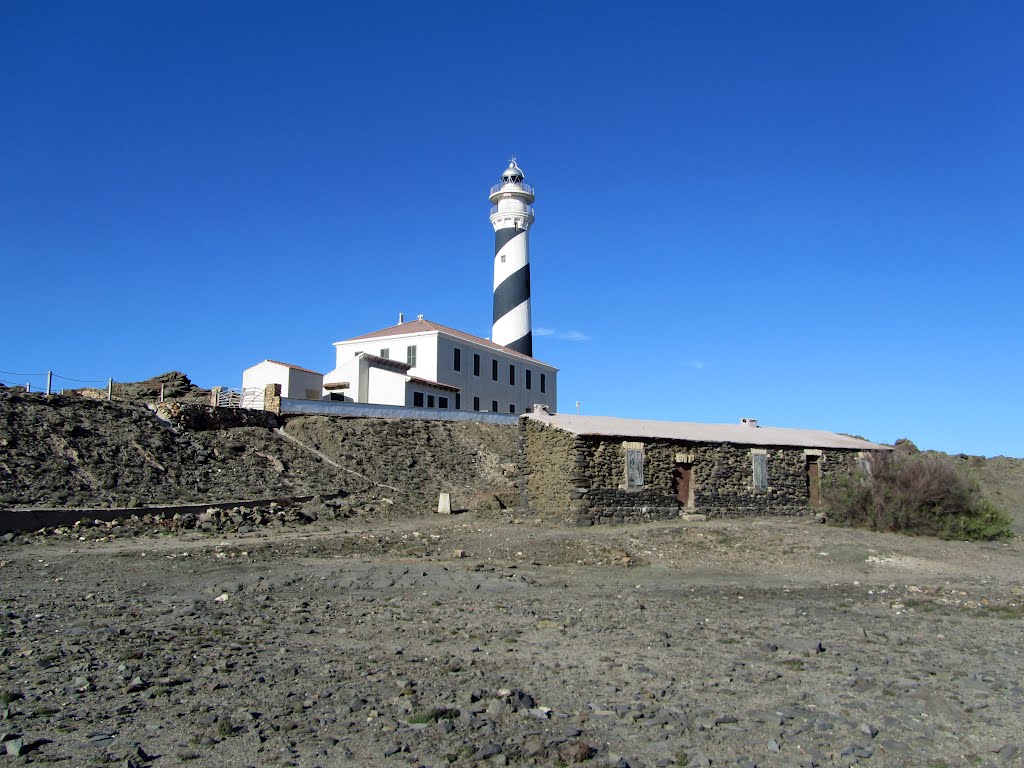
{"points": [[250, 397], [526, 210], [253, 397], [515, 185]]}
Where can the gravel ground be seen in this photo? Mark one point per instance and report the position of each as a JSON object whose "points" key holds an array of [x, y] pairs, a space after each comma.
{"points": [[482, 639]]}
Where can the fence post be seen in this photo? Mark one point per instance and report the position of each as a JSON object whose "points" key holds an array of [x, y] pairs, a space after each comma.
{"points": [[215, 396], [161, 393], [110, 388], [49, 382]]}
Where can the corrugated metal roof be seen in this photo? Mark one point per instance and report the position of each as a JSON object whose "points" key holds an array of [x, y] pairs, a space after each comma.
{"points": [[423, 326], [739, 434]]}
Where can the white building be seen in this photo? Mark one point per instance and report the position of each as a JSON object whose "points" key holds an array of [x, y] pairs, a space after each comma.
{"points": [[425, 364], [296, 382]]}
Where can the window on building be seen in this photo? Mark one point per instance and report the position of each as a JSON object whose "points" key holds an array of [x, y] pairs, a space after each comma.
{"points": [[386, 354], [458, 401], [494, 370], [529, 378], [476, 365], [759, 458], [430, 401], [634, 456], [410, 354], [511, 407], [494, 406], [417, 399], [476, 403], [457, 362], [442, 402], [543, 383], [512, 374]]}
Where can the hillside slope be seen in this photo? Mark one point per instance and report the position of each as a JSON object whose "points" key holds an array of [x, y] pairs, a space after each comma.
{"points": [[72, 451]]}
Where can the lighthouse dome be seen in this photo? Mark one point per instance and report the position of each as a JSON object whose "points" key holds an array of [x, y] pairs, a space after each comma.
{"points": [[513, 173]]}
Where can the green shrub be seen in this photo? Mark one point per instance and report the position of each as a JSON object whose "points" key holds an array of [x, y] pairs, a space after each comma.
{"points": [[916, 494]]}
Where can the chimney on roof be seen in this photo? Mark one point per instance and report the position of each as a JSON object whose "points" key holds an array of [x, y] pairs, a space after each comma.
{"points": [[401, 318], [749, 422]]}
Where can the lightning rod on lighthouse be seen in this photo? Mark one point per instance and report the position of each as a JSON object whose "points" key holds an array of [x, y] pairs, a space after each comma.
{"points": [[511, 217]]}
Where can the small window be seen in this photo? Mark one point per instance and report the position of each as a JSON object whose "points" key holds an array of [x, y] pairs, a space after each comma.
{"points": [[494, 406], [543, 383], [529, 378], [476, 403], [511, 374], [458, 401], [476, 365], [442, 402], [457, 362], [410, 355], [417, 399], [759, 457], [494, 370], [511, 407], [503, 258], [386, 354], [430, 401], [634, 465]]}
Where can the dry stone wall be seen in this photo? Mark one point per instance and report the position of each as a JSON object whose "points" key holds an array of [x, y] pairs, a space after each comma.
{"points": [[547, 469], [196, 417]]}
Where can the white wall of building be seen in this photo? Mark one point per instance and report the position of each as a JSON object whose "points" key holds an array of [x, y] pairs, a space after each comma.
{"points": [[294, 382], [386, 387], [303, 385]]}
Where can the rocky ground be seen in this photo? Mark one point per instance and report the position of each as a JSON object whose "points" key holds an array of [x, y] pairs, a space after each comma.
{"points": [[483, 639]]}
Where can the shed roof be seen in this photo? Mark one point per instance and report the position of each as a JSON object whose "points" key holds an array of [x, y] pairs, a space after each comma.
{"points": [[423, 326], [293, 367], [438, 384], [740, 434]]}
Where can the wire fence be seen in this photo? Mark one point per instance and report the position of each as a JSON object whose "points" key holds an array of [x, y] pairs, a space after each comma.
{"points": [[51, 382]]}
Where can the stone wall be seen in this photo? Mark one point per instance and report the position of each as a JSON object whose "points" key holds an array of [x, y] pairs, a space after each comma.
{"points": [[194, 417], [584, 477], [547, 469]]}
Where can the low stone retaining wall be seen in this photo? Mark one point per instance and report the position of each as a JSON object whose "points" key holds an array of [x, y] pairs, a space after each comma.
{"points": [[197, 418]]}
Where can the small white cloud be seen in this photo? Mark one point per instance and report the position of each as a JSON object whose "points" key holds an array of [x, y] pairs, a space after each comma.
{"points": [[697, 364], [573, 336], [543, 331]]}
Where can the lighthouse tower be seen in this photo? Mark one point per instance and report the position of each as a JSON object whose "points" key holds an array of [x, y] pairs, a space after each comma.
{"points": [[512, 216]]}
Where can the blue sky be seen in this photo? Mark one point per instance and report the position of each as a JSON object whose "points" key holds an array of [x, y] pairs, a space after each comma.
{"points": [[802, 212]]}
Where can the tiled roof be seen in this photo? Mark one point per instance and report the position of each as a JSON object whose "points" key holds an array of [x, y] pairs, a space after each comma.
{"points": [[739, 434], [437, 384], [294, 367], [423, 326], [386, 362]]}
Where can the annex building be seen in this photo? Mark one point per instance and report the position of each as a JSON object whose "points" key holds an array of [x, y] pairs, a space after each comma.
{"points": [[600, 469]]}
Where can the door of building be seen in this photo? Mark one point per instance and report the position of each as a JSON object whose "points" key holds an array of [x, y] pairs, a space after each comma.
{"points": [[682, 480], [813, 481]]}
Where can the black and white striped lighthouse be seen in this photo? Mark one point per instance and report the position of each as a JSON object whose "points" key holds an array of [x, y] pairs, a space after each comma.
{"points": [[512, 216]]}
